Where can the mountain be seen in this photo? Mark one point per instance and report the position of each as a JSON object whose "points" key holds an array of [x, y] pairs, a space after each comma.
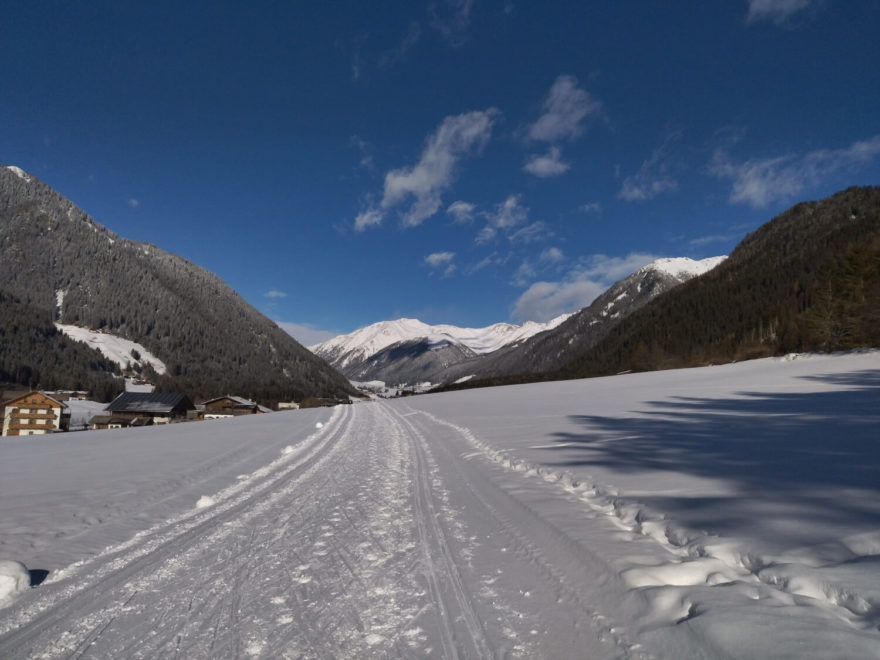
{"points": [[407, 350], [59, 265], [808, 280], [552, 349]]}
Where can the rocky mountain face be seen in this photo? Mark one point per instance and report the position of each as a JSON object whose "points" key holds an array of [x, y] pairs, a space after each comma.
{"points": [[55, 259]]}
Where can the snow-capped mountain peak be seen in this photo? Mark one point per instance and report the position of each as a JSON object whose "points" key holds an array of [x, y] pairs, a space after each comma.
{"points": [[683, 267], [366, 342]]}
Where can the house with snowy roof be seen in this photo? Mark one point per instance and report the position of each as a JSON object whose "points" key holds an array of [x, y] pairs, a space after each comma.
{"points": [[229, 406], [34, 413], [160, 407]]}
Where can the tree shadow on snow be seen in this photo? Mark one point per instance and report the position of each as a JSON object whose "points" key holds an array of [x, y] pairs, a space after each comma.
{"points": [[38, 576], [794, 445]]}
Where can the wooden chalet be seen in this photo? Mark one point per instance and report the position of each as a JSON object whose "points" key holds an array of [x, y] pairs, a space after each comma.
{"points": [[34, 413], [161, 408], [229, 406]]}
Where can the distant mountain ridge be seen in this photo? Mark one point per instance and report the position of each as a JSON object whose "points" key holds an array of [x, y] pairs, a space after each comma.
{"points": [[409, 351], [350, 349], [60, 265]]}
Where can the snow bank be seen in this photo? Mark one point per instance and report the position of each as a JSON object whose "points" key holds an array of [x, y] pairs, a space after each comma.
{"points": [[15, 579]]}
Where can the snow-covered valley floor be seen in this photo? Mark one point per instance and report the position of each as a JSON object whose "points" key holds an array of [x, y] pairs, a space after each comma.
{"points": [[720, 512]]}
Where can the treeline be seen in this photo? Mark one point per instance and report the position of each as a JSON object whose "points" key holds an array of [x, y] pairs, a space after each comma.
{"points": [[809, 280], [35, 355]]}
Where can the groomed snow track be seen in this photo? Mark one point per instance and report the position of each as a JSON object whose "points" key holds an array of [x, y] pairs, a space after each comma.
{"points": [[362, 540]]}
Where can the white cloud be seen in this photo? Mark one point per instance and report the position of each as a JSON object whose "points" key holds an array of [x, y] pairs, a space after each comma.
{"points": [[462, 212], [436, 259], [591, 277], [758, 182], [777, 11], [132, 202], [275, 294], [551, 254], [368, 218], [537, 231], [456, 137], [306, 333], [652, 178], [508, 213], [547, 165], [590, 207], [565, 108]]}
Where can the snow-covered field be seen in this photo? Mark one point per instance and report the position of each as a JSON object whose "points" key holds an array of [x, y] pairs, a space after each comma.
{"points": [[720, 512]]}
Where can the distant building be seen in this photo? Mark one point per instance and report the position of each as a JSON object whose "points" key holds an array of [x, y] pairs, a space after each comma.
{"points": [[34, 413], [229, 406], [161, 408], [288, 405], [99, 422]]}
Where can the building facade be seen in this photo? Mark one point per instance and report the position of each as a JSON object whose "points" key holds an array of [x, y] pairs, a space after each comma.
{"points": [[34, 413]]}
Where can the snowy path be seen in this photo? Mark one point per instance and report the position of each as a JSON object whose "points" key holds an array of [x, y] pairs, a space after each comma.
{"points": [[720, 512], [359, 541]]}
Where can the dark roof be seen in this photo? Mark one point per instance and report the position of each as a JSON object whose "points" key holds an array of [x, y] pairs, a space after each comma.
{"points": [[150, 402]]}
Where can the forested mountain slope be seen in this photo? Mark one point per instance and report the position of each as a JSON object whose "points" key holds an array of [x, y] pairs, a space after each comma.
{"points": [[807, 280], [55, 257]]}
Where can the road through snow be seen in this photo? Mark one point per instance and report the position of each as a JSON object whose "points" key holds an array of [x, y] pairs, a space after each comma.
{"points": [[362, 540]]}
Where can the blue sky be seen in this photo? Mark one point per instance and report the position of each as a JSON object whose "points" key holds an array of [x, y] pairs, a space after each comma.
{"points": [[460, 161]]}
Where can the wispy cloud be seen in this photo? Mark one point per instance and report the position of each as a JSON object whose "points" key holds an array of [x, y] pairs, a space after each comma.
{"points": [[451, 18], [426, 181], [439, 260], [132, 202], [552, 255], [589, 278], [536, 231], [590, 207], [398, 53], [778, 11], [306, 333], [462, 212], [365, 150], [547, 165], [275, 294], [761, 181], [564, 111], [508, 214], [436, 259], [652, 178]]}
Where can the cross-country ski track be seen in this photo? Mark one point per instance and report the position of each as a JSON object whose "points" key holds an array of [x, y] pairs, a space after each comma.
{"points": [[389, 531]]}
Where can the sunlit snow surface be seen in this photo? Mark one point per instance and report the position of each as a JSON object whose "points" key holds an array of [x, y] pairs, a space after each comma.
{"points": [[729, 511]]}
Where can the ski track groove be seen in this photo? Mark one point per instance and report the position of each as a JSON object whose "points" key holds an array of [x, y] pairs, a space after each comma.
{"points": [[353, 544]]}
